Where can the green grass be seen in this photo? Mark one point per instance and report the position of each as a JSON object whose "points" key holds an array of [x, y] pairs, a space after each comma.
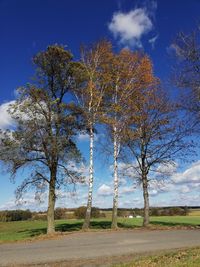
{"points": [[13, 231], [163, 221], [176, 220], [180, 258]]}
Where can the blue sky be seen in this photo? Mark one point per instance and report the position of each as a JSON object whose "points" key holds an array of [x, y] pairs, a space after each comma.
{"points": [[27, 27]]}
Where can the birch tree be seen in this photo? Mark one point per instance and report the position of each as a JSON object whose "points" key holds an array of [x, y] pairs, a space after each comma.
{"points": [[43, 139], [127, 73], [90, 93]]}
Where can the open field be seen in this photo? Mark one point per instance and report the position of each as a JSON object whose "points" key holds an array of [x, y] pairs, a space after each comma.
{"points": [[194, 212], [22, 230], [184, 257]]}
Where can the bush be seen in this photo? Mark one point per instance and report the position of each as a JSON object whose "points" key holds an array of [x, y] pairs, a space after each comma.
{"points": [[81, 211], [170, 211], [3, 216], [95, 213], [154, 212], [59, 213]]}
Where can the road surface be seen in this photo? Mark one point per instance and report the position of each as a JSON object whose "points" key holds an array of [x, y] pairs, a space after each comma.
{"points": [[88, 245]]}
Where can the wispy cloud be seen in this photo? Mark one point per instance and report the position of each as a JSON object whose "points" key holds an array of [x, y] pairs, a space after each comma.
{"points": [[104, 190], [127, 189], [153, 40]]}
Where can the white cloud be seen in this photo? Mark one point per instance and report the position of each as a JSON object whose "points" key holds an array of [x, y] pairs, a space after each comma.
{"points": [[185, 189], [81, 169], [83, 137], [122, 181], [104, 190], [127, 170], [195, 185], [131, 203], [166, 187], [190, 175], [9, 205], [5, 119], [28, 201], [153, 40], [186, 200], [126, 190], [167, 169], [179, 182], [130, 27], [153, 192]]}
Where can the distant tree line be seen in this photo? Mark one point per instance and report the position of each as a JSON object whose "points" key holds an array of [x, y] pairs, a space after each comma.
{"points": [[79, 213], [15, 215]]}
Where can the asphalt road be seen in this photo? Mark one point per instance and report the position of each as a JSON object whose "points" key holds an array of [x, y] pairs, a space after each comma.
{"points": [[81, 246]]}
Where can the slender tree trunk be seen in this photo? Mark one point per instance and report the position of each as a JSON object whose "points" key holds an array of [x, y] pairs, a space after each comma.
{"points": [[115, 195], [51, 204], [146, 200], [86, 224]]}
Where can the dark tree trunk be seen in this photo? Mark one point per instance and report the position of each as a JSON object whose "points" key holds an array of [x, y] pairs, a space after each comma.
{"points": [[51, 204], [146, 200]]}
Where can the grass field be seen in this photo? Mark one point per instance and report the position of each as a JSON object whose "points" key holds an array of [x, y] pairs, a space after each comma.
{"points": [[13, 231], [180, 258]]}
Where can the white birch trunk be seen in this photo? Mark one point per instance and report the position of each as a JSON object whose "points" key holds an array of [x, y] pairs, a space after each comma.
{"points": [[86, 224], [116, 182]]}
